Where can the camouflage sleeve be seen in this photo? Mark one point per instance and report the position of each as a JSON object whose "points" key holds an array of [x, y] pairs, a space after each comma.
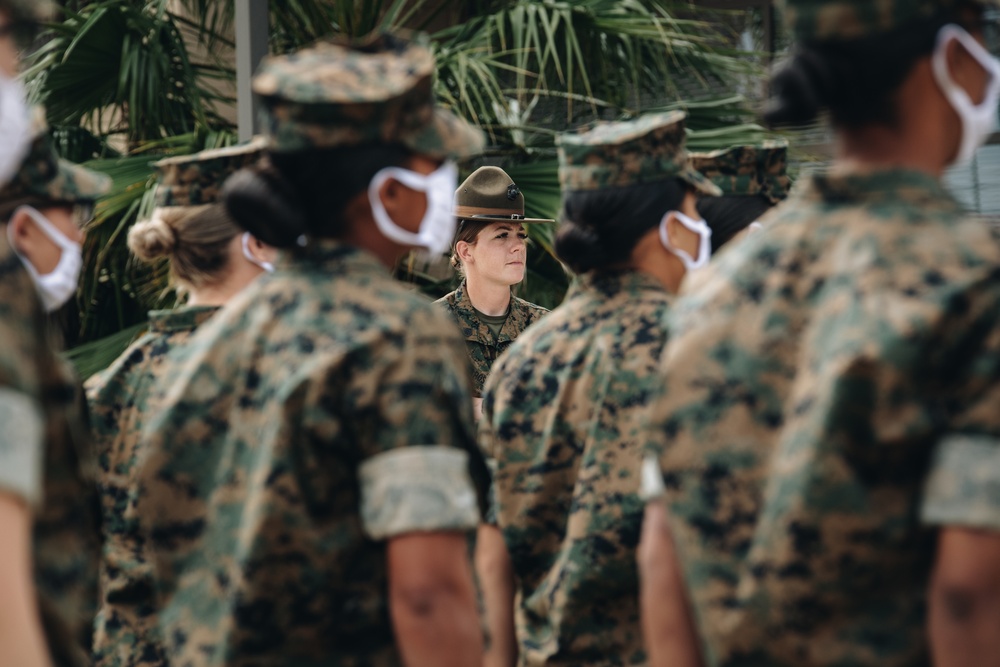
{"points": [[413, 408], [20, 446], [487, 441], [963, 486], [417, 489]]}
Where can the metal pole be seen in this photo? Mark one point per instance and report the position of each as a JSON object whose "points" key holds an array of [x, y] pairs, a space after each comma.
{"points": [[251, 47]]}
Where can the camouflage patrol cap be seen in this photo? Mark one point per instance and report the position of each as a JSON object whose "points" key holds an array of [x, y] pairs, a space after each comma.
{"points": [[35, 10], [644, 150], [343, 93], [832, 20], [46, 180], [747, 170], [197, 180]]}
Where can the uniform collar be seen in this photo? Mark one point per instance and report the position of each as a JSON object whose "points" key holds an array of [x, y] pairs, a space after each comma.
{"points": [[332, 256], [517, 316], [892, 186], [185, 318], [612, 283]]}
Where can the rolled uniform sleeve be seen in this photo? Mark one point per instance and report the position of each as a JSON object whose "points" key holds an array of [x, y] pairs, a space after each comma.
{"points": [[417, 489], [417, 441], [21, 440], [963, 485]]}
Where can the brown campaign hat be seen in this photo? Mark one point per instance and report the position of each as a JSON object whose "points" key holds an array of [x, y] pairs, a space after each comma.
{"points": [[490, 194]]}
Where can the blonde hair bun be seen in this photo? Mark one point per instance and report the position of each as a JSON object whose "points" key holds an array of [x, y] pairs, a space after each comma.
{"points": [[157, 237]]}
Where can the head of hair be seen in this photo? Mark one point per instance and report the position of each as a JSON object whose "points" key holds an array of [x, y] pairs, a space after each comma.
{"points": [[468, 231], [196, 240], [600, 228], [304, 193], [729, 215], [856, 80]]}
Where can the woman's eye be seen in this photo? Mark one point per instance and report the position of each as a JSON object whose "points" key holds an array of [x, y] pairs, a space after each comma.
{"points": [[523, 237]]}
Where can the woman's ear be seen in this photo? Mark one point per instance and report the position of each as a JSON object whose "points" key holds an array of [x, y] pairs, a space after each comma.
{"points": [[20, 230], [464, 251], [680, 237], [262, 250], [404, 206]]}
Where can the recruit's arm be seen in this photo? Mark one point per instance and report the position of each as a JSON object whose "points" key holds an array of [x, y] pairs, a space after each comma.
{"points": [[964, 618], [432, 600], [667, 626], [496, 579]]}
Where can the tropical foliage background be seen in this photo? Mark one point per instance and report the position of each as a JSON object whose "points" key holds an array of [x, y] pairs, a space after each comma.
{"points": [[128, 82]]}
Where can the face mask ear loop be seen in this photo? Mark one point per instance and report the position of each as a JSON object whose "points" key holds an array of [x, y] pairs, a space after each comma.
{"points": [[681, 254], [266, 266], [977, 120]]}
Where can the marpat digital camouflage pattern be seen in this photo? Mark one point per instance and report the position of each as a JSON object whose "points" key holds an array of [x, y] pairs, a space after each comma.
{"points": [[483, 348], [341, 93], [747, 170], [563, 413], [817, 376], [45, 179], [647, 149], [832, 20], [125, 631], [197, 180], [41, 453], [322, 412]]}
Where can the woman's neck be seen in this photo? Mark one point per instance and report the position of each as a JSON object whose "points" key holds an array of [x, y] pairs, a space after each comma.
{"points": [[488, 298], [217, 294]]}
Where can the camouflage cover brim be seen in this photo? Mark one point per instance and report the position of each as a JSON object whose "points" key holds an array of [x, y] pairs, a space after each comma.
{"points": [[446, 137], [197, 180], [621, 154], [698, 181], [841, 20], [75, 184], [759, 169]]}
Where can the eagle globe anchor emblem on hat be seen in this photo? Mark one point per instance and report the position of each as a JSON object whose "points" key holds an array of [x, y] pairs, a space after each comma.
{"points": [[490, 195]]}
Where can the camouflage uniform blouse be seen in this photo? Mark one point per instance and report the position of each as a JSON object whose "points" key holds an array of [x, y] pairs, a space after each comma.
{"points": [[41, 448], [562, 419], [124, 632], [321, 413], [832, 393], [483, 348]]}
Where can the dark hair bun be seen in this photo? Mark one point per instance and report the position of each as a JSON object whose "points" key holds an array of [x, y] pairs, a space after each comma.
{"points": [[799, 90], [262, 202], [581, 247]]}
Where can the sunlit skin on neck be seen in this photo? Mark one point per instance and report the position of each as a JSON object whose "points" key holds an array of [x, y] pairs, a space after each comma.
{"points": [[238, 273]]}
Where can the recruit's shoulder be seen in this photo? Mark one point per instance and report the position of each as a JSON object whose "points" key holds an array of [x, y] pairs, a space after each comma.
{"points": [[532, 312], [22, 325], [449, 300], [115, 376]]}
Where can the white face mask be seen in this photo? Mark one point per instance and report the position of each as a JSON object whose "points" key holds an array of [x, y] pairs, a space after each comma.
{"points": [[437, 229], [978, 122], [267, 266], [58, 287], [15, 127], [699, 227]]}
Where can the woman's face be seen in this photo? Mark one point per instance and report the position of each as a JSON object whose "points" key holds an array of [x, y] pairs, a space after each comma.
{"points": [[498, 254]]}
